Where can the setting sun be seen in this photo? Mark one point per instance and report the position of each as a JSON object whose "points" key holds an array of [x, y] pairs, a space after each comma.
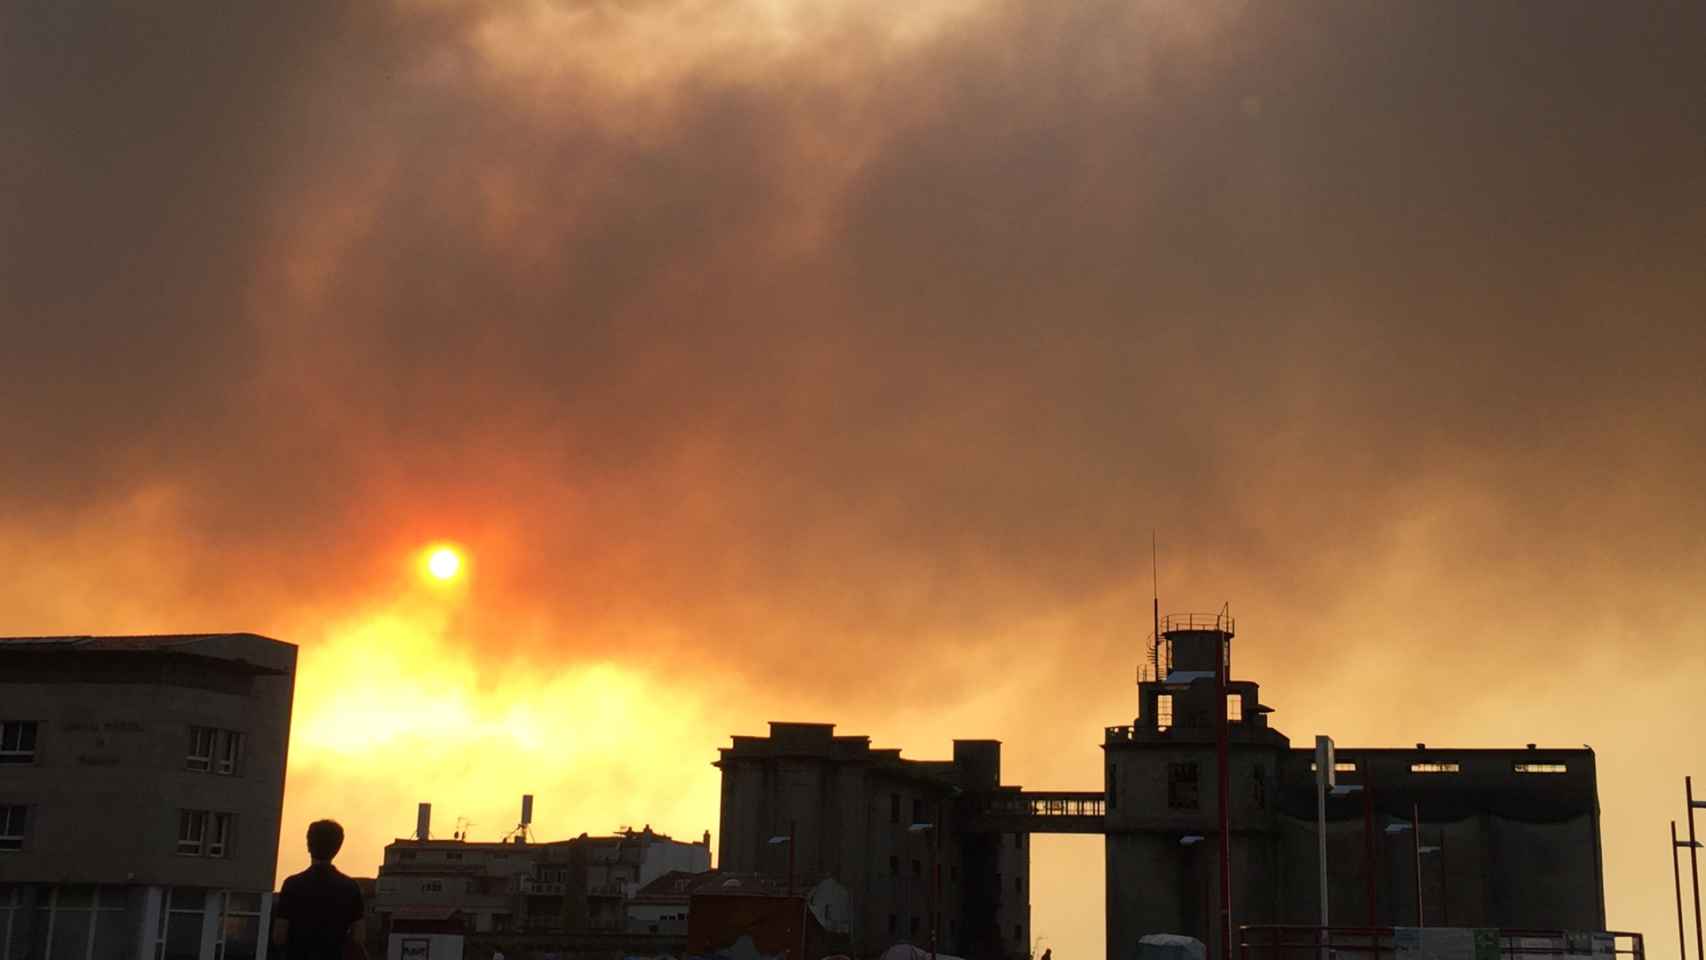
{"points": [[444, 563]]}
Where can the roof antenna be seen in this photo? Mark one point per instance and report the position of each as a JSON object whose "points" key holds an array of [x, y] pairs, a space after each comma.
{"points": [[1155, 594]]}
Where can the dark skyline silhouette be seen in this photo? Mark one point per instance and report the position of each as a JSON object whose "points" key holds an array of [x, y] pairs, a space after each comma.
{"points": [[835, 361]]}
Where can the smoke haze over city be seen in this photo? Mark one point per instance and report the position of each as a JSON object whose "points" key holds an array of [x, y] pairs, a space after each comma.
{"points": [[835, 361]]}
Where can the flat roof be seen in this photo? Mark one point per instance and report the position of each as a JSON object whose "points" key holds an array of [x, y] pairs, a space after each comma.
{"points": [[249, 652]]}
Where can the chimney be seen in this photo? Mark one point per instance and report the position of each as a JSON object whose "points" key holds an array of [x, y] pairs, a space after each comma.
{"points": [[423, 822]]}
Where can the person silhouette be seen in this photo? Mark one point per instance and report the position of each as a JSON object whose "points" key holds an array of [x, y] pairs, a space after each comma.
{"points": [[319, 911]]}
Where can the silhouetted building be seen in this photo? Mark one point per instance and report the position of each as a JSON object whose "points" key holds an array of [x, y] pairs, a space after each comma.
{"points": [[882, 826], [1510, 838], [141, 785], [513, 886]]}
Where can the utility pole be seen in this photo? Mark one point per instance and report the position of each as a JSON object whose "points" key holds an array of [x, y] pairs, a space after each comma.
{"points": [[1676, 876], [1221, 668], [1694, 864]]}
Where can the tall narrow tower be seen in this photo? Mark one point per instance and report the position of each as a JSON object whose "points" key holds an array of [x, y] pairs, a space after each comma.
{"points": [[1163, 783]]}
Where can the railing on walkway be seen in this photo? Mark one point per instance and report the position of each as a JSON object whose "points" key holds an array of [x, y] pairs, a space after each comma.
{"points": [[1052, 811], [1054, 804], [1300, 942]]}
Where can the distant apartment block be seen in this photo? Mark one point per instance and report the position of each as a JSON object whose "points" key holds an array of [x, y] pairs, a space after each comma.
{"points": [[581, 884], [141, 785]]}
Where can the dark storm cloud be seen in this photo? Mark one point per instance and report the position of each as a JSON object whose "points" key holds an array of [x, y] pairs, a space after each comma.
{"points": [[1274, 279]]}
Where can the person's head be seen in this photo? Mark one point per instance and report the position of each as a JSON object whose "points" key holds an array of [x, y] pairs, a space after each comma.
{"points": [[325, 838]]}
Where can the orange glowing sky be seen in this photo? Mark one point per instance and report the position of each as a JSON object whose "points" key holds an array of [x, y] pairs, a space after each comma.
{"points": [[814, 360]]}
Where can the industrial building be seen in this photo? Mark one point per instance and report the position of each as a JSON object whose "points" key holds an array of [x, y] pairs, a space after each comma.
{"points": [[1424, 836], [911, 841], [141, 786], [1418, 836]]}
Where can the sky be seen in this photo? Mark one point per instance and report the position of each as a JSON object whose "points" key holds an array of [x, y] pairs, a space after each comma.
{"points": [[835, 361]]}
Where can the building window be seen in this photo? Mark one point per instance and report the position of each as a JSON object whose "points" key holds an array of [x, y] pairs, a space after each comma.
{"points": [[1339, 766], [1018, 933], [179, 934], [1018, 884], [917, 868], [73, 922], [1113, 786], [1259, 787], [200, 756], [894, 866], [894, 808], [432, 886], [18, 741], [1235, 708], [1182, 786], [239, 926], [203, 833], [453, 855], [1163, 711], [405, 855], [1018, 841], [1434, 767], [230, 753], [1542, 768], [192, 831], [219, 839], [891, 924], [912, 927], [13, 819]]}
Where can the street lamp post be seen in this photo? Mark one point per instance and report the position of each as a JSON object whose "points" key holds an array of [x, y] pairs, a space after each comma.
{"points": [[1694, 864], [935, 878], [1414, 829], [1676, 877], [1416, 833], [1188, 841], [789, 840]]}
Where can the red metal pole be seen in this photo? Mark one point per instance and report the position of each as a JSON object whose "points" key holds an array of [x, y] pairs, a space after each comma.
{"points": [[1225, 789]]}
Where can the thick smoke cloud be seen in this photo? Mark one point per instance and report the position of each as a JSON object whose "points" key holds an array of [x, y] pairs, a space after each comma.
{"points": [[821, 358]]}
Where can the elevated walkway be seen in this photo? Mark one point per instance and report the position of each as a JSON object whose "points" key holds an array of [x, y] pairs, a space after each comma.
{"points": [[1040, 811]]}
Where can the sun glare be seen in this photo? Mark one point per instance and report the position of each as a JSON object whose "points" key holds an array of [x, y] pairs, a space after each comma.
{"points": [[444, 563]]}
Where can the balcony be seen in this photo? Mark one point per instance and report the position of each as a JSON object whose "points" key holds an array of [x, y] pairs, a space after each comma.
{"points": [[540, 888]]}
